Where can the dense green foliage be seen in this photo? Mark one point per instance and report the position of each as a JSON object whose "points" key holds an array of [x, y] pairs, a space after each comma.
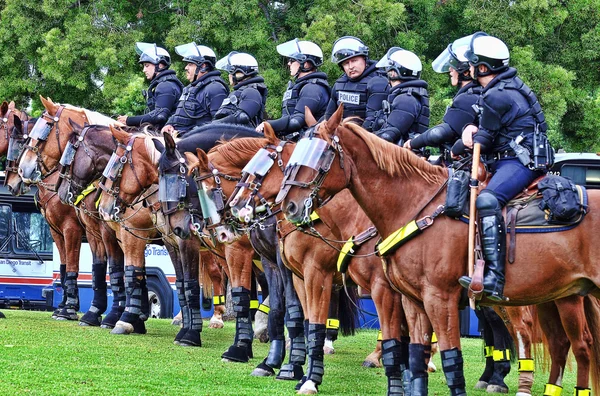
{"points": [[82, 52], [42, 356]]}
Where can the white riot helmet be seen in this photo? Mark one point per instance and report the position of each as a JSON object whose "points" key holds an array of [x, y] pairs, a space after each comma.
{"points": [[197, 54], [238, 62], [489, 51], [348, 47], [150, 53], [406, 64], [301, 52]]}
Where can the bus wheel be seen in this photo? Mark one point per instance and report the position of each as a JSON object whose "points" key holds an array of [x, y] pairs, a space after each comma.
{"points": [[156, 300]]}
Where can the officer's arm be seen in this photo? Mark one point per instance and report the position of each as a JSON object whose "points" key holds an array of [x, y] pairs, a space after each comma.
{"points": [[249, 107], [462, 112], [494, 109], [215, 95], [312, 96], [166, 96], [435, 136], [377, 92], [404, 111]]}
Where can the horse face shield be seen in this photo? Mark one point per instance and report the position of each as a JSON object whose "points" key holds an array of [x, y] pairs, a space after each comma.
{"points": [[172, 191], [252, 176]]}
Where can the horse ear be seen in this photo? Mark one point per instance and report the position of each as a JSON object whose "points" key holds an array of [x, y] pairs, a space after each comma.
{"points": [[169, 142], [160, 147], [335, 120], [3, 107], [11, 105], [49, 105], [309, 118], [269, 133], [121, 136], [75, 125], [17, 123], [202, 158], [191, 160]]}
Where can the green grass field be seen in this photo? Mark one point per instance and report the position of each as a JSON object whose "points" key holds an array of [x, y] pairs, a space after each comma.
{"points": [[41, 356]]}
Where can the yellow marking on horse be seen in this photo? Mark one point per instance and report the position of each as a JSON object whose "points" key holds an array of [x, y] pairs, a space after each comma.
{"points": [[332, 324], [344, 258], [526, 365], [398, 238]]}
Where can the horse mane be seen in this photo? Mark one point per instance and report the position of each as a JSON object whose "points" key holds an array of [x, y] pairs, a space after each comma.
{"points": [[238, 151], [394, 159]]}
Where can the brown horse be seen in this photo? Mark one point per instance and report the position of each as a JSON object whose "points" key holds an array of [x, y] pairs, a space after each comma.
{"points": [[381, 176]]}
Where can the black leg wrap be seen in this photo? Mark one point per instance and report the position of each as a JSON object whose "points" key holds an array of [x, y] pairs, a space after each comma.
{"points": [[117, 285], [93, 316], [276, 354], [192, 296], [391, 350], [133, 288], [333, 329], [295, 325], [418, 369], [185, 313], [63, 276], [452, 363], [69, 311], [316, 341], [241, 350]]}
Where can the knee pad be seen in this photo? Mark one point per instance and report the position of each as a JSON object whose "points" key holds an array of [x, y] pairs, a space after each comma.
{"points": [[487, 204]]}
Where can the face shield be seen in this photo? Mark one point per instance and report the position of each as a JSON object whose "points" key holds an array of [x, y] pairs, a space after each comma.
{"points": [[386, 62], [209, 208], [225, 64], [291, 49], [15, 146], [68, 155], [172, 187], [260, 164], [308, 152], [42, 129], [113, 167], [147, 52]]}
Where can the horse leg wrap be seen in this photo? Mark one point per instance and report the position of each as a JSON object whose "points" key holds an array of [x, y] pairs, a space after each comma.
{"points": [[117, 285], [582, 391], [552, 390], [192, 297], [391, 350], [501, 367], [276, 354], [184, 310], [69, 311], [241, 350], [418, 369], [452, 363], [333, 327], [133, 289], [93, 316], [316, 340], [63, 276], [295, 325]]}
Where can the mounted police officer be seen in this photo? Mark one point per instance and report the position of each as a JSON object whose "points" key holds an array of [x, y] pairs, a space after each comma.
{"points": [[309, 89], [512, 133], [201, 99], [246, 104], [405, 112], [164, 90], [362, 88], [462, 111]]}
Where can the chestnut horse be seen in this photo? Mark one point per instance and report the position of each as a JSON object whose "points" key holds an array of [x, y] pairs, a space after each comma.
{"points": [[380, 176]]}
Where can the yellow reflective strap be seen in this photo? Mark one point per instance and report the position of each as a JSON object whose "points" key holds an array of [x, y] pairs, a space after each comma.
{"points": [[314, 216], [333, 324], [379, 335], [258, 264], [348, 247], [398, 238], [433, 337], [87, 191], [526, 365], [218, 300], [253, 304], [583, 392], [264, 308], [552, 390], [501, 355], [489, 351]]}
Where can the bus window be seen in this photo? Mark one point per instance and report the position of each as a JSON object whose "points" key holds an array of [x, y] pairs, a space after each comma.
{"points": [[34, 233], [4, 222], [592, 176]]}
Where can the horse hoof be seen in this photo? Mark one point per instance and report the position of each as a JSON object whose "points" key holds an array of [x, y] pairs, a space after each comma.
{"points": [[496, 389], [67, 317], [216, 324], [431, 367], [481, 385], [369, 364], [238, 354], [328, 351], [106, 326], [259, 372], [122, 328], [522, 394], [309, 388]]}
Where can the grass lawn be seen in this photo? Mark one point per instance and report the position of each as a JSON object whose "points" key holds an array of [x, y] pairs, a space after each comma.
{"points": [[41, 356]]}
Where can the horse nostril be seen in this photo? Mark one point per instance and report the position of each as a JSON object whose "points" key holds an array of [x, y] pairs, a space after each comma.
{"points": [[291, 209]]}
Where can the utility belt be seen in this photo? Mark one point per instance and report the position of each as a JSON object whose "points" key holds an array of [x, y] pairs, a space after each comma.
{"points": [[501, 155]]}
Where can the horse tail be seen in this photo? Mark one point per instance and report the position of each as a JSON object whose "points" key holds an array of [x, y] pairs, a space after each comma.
{"points": [[205, 279], [539, 342], [592, 314], [348, 311]]}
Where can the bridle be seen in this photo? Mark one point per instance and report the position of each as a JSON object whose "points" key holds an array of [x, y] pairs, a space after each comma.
{"points": [[16, 141], [66, 160]]}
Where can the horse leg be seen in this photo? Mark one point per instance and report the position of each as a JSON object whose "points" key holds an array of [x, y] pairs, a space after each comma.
{"points": [[441, 309], [503, 345], [419, 350], [373, 360], [276, 319], [488, 340], [295, 326], [213, 268], [558, 345], [333, 322], [93, 317], [116, 263], [60, 246], [575, 324], [72, 234], [318, 291], [179, 285], [521, 327], [189, 256], [239, 260]]}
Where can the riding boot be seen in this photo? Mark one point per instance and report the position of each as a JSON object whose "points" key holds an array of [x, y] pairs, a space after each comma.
{"points": [[494, 252], [391, 351], [117, 285], [418, 369], [295, 325], [93, 316], [452, 363]]}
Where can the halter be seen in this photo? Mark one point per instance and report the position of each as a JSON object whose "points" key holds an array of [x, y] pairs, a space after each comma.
{"points": [[4, 123], [40, 132], [172, 187]]}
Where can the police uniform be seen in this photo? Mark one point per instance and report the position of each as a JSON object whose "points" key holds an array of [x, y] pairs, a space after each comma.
{"points": [[458, 115], [199, 102], [405, 113], [161, 100], [310, 91], [362, 97], [246, 104]]}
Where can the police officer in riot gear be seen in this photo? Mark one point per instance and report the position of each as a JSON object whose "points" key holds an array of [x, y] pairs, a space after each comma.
{"points": [[204, 95], [462, 111], [164, 90], [246, 104], [512, 133], [405, 113], [362, 88], [309, 89]]}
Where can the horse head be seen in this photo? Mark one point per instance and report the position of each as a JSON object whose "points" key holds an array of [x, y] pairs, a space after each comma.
{"points": [[47, 140], [130, 171], [19, 129]]}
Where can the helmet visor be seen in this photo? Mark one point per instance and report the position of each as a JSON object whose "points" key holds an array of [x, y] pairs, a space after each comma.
{"points": [[225, 64], [347, 47], [386, 61], [290, 49], [441, 64], [187, 50]]}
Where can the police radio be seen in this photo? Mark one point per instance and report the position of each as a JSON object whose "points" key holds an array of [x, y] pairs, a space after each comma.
{"points": [[543, 153]]}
